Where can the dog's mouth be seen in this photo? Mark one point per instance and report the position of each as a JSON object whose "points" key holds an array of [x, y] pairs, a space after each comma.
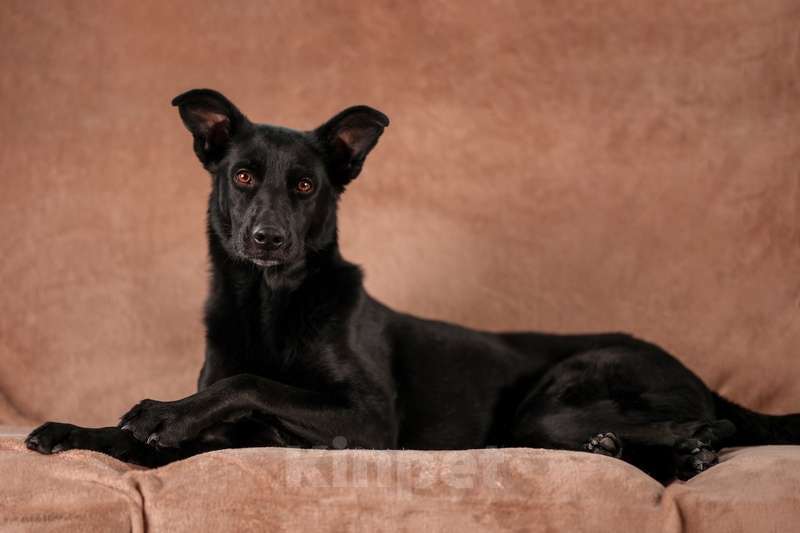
{"points": [[265, 263], [263, 258], [268, 260]]}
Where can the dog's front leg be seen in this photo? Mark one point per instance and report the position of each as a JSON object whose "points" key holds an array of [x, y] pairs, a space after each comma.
{"points": [[55, 437], [309, 416]]}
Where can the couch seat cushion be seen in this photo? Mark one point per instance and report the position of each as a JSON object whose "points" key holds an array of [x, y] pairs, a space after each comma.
{"points": [[752, 489]]}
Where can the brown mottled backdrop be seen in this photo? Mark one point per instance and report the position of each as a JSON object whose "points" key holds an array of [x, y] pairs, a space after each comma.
{"points": [[570, 166]]}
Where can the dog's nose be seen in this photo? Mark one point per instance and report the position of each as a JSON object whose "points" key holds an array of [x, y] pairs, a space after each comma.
{"points": [[269, 237]]}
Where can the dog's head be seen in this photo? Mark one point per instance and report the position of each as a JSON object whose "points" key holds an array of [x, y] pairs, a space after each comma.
{"points": [[275, 190]]}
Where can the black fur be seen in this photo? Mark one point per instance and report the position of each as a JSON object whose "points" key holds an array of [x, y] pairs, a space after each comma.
{"points": [[297, 353]]}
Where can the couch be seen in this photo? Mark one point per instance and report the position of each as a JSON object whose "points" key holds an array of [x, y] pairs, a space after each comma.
{"points": [[557, 166]]}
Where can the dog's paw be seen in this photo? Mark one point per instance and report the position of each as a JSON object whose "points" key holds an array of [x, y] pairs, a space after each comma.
{"points": [[604, 444], [162, 424], [693, 456], [53, 437]]}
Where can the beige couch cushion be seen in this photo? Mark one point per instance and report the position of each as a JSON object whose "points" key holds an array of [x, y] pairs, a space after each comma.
{"points": [[751, 490]]}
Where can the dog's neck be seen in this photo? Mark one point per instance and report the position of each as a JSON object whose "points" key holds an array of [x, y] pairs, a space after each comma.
{"points": [[267, 319], [277, 287]]}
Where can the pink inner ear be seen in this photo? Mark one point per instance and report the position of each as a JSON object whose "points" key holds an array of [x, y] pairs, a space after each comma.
{"points": [[209, 119], [213, 127], [347, 137], [355, 139]]}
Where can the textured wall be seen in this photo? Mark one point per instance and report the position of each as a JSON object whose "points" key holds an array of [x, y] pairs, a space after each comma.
{"points": [[560, 165]]}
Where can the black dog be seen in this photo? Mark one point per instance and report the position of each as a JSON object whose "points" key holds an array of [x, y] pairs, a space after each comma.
{"points": [[299, 354]]}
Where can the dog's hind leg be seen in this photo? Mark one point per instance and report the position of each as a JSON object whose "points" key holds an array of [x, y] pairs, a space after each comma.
{"points": [[663, 449], [682, 450]]}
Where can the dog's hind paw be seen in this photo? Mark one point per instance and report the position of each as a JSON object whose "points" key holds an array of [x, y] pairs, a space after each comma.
{"points": [[693, 456], [604, 444]]}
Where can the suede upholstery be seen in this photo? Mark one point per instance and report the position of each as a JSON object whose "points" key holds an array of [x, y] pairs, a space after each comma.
{"points": [[751, 490], [564, 166]]}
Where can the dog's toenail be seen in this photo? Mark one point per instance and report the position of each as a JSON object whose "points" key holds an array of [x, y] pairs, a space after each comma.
{"points": [[153, 438]]}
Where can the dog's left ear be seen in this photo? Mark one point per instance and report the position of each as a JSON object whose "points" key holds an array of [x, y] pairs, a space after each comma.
{"points": [[348, 138]]}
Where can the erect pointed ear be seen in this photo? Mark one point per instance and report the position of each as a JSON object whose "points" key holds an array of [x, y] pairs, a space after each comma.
{"points": [[212, 120], [348, 138]]}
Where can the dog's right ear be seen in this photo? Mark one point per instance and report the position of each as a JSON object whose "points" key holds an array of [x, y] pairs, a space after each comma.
{"points": [[212, 120]]}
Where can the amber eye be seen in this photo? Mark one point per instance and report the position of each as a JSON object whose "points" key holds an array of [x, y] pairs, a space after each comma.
{"points": [[243, 177], [304, 186]]}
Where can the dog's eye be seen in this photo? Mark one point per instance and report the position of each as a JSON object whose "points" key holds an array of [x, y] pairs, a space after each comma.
{"points": [[304, 186], [243, 177]]}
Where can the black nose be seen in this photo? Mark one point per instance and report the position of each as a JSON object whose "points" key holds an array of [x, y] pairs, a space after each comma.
{"points": [[269, 237]]}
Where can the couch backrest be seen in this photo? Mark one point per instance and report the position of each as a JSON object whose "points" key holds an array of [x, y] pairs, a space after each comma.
{"points": [[624, 166]]}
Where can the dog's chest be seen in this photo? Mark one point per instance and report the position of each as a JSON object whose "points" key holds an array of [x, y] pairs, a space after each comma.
{"points": [[286, 348], [288, 337]]}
